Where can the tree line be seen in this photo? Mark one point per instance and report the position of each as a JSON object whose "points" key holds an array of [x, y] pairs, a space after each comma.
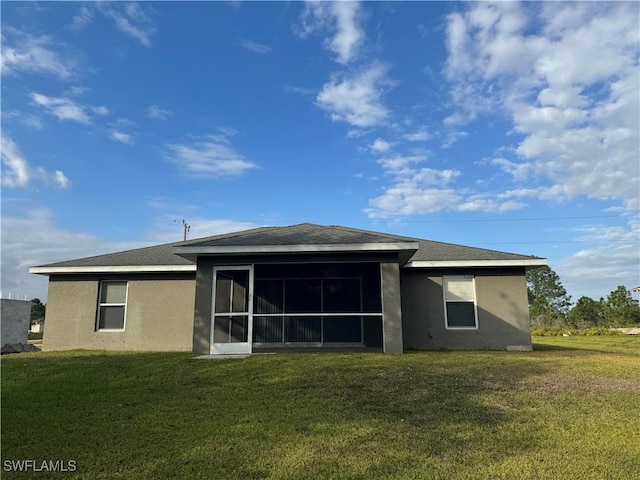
{"points": [[550, 306]]}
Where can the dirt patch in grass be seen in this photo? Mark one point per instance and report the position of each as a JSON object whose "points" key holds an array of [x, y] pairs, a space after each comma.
{"points": [[553, 384]]}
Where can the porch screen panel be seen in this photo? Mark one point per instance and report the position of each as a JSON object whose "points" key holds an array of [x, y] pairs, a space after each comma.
{"points": [[318, 303], [343, 329], [341, 295], [227, 329], [232, 289], [230, 318], [223, 292], [303, 295], [268, 329], [269, 296], [303, 329]]}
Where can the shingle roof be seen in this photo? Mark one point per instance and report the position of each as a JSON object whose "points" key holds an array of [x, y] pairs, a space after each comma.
{"points": [[302, 234], [154, 255], [439, 251]]}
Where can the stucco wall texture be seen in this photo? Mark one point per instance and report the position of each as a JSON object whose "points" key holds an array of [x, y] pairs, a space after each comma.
{"points": [[159, 315], [502, 305]]}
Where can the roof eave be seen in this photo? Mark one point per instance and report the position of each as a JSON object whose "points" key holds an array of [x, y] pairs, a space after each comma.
{"points": [[191, 252], [524, 262], [58, 270]]}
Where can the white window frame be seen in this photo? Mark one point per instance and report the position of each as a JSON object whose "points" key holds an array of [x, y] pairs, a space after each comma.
{"points": [[445, 280], [100, 305]]}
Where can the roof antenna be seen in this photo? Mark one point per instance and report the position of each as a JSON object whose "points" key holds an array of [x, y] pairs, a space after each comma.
{"points": [[185, 229]]}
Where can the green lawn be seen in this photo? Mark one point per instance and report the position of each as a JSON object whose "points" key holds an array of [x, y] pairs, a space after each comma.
{"points": [[568, 410]]}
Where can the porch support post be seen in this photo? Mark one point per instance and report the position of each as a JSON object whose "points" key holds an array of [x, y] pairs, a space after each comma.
{"points": [[391, 308]]}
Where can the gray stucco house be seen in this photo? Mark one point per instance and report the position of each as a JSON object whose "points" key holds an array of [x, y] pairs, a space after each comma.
{"points": [[291, 287]]}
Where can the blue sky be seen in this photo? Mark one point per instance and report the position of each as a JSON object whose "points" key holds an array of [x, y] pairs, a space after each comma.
{"points": [[507, 126]]}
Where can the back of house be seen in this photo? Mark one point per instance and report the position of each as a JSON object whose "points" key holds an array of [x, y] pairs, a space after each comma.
{"points": [[304, 286]]}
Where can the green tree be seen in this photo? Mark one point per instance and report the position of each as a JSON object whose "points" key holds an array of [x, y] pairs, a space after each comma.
{"points": [[549, 302], [37, 309], [587, 312], [621, 308]]}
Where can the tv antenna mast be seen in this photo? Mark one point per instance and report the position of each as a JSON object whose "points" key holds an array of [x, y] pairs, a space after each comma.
{"points": [[185, 229]]}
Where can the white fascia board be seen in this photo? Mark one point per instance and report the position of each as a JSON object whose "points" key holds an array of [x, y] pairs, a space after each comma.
{"points": [[310, 248], [533, 262], [114, 269]]}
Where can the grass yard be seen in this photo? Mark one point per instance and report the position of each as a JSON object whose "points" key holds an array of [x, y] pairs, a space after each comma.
{"points": [[568, 410]]}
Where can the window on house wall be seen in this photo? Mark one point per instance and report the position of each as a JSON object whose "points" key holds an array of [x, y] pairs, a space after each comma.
{"points": [[112, 306], [460, 301]]}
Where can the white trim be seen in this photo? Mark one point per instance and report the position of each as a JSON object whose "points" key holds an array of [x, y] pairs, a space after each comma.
{"points": [[534, 262], [113, 269], [335, 247]]}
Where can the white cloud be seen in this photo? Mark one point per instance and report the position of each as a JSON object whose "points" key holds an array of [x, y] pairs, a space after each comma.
{"points": [[254, 47], [66, 108], [339, 18], [409, 198], [121, 137], [612, 259], [570, 88], [17, 173], [130, 18], [81, 19], [35, 240], [300, 90], [100, 110], [26, 119], [168, 230], [380, 146], [211, 156], [23, 52], [61, 107], [419, 190], [420, 135], [154, 111], [355, 99]]}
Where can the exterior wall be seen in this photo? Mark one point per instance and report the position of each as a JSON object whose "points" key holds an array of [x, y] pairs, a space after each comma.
{"points": [[391, 307], [502, 305], [16, 316], [159, 314]]}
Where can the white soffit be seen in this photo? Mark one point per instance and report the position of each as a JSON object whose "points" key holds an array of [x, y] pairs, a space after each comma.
{"points": [[113, 269], [525, 262]]}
